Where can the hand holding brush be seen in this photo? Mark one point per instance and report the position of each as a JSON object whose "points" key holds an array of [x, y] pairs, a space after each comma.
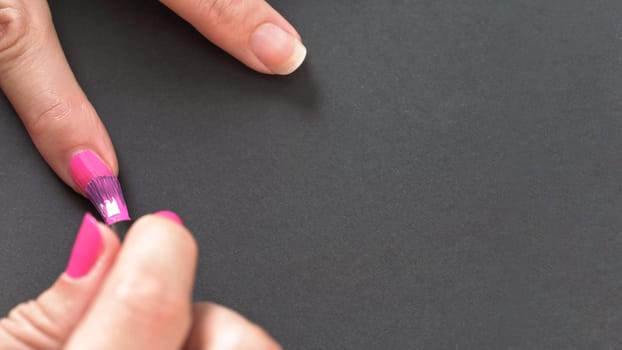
{"points": [[134, 296]]}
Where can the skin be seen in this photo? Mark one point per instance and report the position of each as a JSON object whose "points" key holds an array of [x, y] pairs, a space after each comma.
{"points": [[91, 312], [136, 296], [36, 78]]}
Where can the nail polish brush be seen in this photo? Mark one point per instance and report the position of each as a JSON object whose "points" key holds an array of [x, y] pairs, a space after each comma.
{"points": [[97, 182]]}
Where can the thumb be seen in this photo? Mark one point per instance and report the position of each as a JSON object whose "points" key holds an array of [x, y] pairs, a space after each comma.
{"points": [[47, 322]]}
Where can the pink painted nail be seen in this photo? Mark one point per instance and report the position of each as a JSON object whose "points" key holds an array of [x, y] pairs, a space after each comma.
{"points": [[170, 215], [85, 166], [85, 249]]}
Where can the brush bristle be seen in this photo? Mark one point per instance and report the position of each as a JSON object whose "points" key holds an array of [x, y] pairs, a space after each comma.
{"points": [[106, 195]]}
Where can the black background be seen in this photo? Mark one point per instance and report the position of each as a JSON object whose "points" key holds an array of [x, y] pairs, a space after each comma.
{"points": [[439, 174]]}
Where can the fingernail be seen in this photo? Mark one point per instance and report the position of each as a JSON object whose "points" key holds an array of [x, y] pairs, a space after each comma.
{"points": [[85, 249], [170, 215], [277, 49], [86, 165]]}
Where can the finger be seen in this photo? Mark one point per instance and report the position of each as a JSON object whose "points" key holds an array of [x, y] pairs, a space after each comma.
{"points": [[145, 302], [250, 30], [47, 322], [36, 78], [216, 327]]}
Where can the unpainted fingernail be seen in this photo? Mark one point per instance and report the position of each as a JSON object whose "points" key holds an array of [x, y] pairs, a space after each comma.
{"points": [[170, 215], [86, 248], [281, 52]]}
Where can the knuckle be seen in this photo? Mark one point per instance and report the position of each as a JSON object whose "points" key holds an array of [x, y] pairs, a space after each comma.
{"points": [[29, 324], [221, 11], [51, 113], [15, 29], [150, 301]]}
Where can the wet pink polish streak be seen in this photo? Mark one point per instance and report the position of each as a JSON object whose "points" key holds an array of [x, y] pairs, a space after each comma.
{"points": [[86, 248], [85, 166]]}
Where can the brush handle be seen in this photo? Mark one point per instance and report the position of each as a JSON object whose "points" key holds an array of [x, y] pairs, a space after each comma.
{"points": [[121, 228]]}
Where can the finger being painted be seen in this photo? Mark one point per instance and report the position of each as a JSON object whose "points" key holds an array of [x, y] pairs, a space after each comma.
{"points": [[36, 78]]}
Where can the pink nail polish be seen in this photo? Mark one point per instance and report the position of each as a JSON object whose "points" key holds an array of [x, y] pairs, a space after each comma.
{"points": [[85, 166], [86, 248], [170, 215]]}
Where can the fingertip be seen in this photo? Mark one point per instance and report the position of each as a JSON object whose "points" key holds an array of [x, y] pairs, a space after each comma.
{"points": [[86, 248], [169, 215], [92, 252], [252, 31], [161, 232], [295, 60], [280, 51], [218, 327]]}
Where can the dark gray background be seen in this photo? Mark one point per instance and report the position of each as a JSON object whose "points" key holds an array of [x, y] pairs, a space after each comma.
{"points": [[439, 174]]}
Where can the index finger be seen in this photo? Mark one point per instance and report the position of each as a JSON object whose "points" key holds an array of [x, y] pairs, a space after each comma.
{"points": [[36, 78], [250, 30]]}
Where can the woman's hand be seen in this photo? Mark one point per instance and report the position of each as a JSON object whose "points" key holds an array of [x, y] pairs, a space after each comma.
{"points": [[135, 296], [35, 75]]}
